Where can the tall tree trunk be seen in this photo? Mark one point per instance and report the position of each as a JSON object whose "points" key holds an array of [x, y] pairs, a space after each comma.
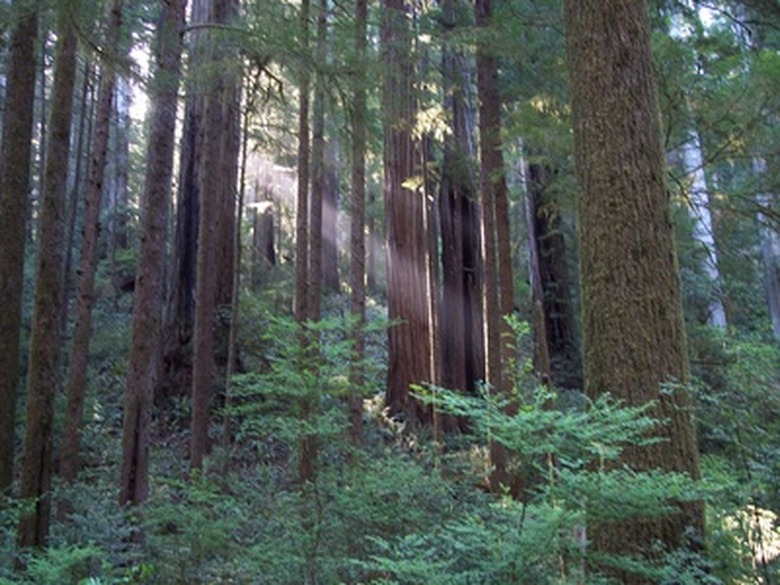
{"points": [[147, 303], [45, 347], [17, 149], [318, 166], [633, 329], [77, 379], [180, 316], [408, 293], [492, 187], [301, 297], [303, 285], [460, 310], [357, 229], [215, 239]]}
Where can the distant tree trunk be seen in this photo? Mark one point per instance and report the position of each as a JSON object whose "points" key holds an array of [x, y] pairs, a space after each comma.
{"points": [[553, 290], [318, 166], [307, 448], [330, 215], [263, 236], [215, 238], [301, 297], [45, 347], [408, 294], [633, 329], [460, 310], [77, 379], [703, 231], [357, 229], [148, 299], [117, 179], [14, 195], [181, 303], [770, 254], [83, 147], [373, 244]]}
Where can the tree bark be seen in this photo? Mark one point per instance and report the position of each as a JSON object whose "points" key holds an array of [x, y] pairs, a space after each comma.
{"points": [[492, 188], [215, 239], [147, 303], [14, 193], [460, 309], [45, 347], [181, 302], [633, 329], [77, 379], [408, 294]]}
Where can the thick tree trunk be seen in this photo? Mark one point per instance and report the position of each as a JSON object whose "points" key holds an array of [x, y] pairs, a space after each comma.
{"points": [[215, 239], [45, 347], [633, 330], [408, 294], [460, 310], [17, 145], [147, 303], [77, 379]]}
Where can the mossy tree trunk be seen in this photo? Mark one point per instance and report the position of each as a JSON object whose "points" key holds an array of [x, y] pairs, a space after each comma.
{"points": [[17, 144], [633, 330]]}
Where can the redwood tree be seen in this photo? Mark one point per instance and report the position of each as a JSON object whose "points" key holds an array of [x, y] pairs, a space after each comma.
{"points": [[633, 330], [77, 377], [147, 303], [17, 145], [408, 291], [461, 317], [45, 347]]}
